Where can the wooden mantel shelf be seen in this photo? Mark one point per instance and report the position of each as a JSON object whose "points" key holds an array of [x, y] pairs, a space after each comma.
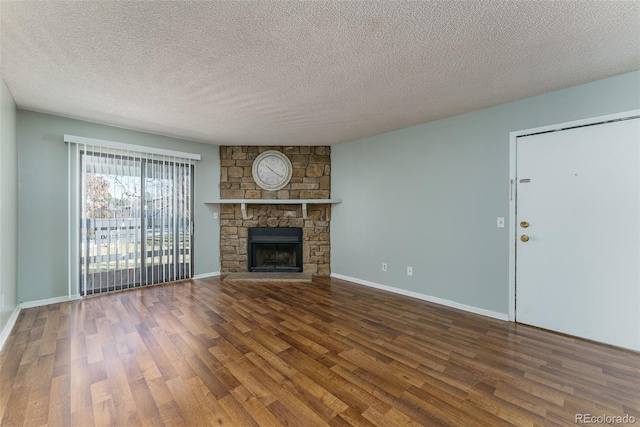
{"points": [[304, 202]]}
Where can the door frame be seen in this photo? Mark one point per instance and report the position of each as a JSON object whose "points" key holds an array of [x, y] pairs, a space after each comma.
{"points": [[513, 187]]}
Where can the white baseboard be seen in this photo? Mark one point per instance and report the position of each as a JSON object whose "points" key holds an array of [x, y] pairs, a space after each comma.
{"points": [[30, 304], [205, 275], [41, 302], [4, 335], [441, 301]]}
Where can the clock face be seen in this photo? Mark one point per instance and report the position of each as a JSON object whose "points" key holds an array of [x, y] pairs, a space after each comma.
{"points": [[272, 170]]}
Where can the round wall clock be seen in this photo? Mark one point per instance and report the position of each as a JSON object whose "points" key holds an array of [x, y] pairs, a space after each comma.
{"points": [[272, 170]]}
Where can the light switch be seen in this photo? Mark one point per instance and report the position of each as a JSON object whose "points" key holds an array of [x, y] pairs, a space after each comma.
{"points": [[500, 223], [215, 215]]}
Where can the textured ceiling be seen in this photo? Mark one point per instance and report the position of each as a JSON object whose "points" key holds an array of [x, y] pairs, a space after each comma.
{"points": [[302, 73]]}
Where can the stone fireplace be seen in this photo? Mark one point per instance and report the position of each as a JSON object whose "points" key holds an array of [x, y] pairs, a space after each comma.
{"points": [[311, 179]]}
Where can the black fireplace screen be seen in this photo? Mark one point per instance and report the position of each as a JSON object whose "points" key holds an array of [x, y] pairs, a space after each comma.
{"points": [[275, 249]]}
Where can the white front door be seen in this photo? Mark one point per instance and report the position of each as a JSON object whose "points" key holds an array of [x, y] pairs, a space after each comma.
{"points": [[578, 203]]}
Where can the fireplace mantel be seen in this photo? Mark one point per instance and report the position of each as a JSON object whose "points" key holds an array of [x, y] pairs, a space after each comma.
{"points": [[304, 202]]}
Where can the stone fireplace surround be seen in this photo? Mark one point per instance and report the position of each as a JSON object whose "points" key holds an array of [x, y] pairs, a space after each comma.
{"points": [[311, 180]]}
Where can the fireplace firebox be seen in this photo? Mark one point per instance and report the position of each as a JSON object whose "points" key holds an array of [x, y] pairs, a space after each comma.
{"points": [[275, 249]]}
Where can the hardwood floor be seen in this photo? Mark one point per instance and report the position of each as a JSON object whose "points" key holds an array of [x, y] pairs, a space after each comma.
{"points": [[301, 354]]}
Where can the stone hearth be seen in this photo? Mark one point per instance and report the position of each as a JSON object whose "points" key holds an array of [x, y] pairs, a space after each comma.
{"points": [[269, 277], [311, 180]]}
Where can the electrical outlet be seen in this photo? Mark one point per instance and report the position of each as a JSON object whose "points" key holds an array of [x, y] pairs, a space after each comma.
{"points": [[409, 271], [384, 266]]}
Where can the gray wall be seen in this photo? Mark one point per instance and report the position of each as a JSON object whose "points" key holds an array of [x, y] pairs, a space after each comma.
{"points": [[8, 205], [42, 225], [428, 196]]}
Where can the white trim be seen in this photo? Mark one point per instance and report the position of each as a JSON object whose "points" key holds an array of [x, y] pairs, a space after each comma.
{"points": [[424, 297], [74, 230], [69, 222], [512, 225], [129, 147], [4, 335], [56, 300], [577, 123], [205, 275], [274, 201], [513, 136], [303, 202]]}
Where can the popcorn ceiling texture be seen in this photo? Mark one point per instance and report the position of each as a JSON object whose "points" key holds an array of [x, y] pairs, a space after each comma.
{"points": [[302, 72], [311, 180]]}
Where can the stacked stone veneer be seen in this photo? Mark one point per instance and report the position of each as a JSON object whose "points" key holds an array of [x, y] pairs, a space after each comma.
{"points": [[311, 180]]}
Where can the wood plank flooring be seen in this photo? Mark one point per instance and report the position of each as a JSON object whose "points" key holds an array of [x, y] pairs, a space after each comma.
{"points": [[327, 353]]}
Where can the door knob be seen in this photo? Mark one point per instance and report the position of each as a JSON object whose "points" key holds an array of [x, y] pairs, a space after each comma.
{"points": [[524, 224], [524, 238]]}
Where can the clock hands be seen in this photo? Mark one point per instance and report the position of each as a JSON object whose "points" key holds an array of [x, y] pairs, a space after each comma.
{"points": [[268, 167]]}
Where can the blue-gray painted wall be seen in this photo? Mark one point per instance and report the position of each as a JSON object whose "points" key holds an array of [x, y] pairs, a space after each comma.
{"points": [[8, 206], [428, 196], [425, 196], [43, 225]]}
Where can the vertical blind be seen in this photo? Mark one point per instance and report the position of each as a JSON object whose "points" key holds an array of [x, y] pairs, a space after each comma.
{"points": [[133, 212]]}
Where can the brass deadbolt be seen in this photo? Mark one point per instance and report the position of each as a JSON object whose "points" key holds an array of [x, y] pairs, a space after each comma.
{"points": [[524, 224], [524, 238]]}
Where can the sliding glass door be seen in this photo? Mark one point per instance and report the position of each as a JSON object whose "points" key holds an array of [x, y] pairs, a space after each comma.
{"points": [[136, 219], [167, 221]]}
